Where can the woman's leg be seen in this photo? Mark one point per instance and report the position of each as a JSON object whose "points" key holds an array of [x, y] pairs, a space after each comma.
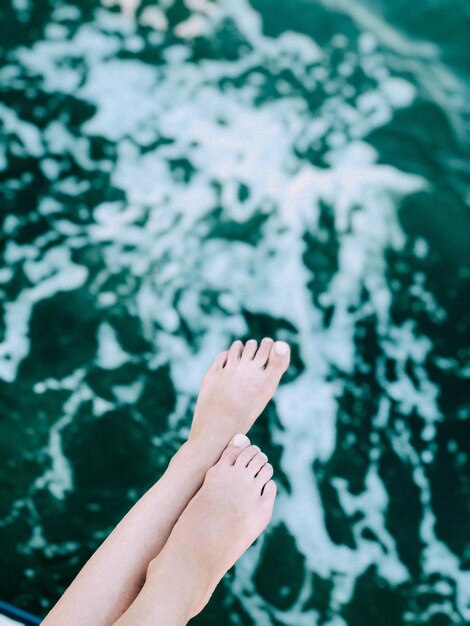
{"points": [[234, 391], [228, 513]]}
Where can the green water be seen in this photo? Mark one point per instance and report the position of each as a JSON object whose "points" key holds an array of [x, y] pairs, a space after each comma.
{"points": [[179, 175]]}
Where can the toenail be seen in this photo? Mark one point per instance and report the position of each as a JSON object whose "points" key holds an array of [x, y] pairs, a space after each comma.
{"points": [[281, 348], [256, 448], [240, 440]]}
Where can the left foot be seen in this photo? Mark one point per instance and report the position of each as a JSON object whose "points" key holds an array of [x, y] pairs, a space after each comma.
{"points": [[236, 389], [232, 508]]}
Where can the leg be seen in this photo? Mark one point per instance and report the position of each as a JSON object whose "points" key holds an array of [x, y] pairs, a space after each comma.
{"points": [[234, 391], [232, 508]]}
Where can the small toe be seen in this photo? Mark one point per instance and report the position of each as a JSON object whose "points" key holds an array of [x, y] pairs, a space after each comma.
{"points": [[249, 350], [220, 360], [245, 457], [279, 357], [269, 492], [257, 463], [264, 349], [264, 475], [231, 453], [234, 353]]}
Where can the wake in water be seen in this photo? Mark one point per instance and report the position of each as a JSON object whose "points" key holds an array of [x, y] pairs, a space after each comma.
{"points": [[176, 177]]}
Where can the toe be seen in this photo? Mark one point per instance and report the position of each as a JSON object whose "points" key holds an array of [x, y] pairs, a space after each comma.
{"points": [[234, 449], [264, 475], [245, 457], [279, 358], [263, 352], [220, 360], [234, 353], [249, 350], [257, 463], [269, 493]]}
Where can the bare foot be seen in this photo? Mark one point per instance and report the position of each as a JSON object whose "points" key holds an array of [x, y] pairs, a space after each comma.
{"points": [[232, 508], [237, 387]]}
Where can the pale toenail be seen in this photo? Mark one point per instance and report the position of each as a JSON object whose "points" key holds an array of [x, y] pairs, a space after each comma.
{"points": [[281, 348], [256, 448], [240, 440]]}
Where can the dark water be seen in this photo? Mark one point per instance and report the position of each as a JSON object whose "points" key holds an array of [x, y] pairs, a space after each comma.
{"points": [[177, 175]]}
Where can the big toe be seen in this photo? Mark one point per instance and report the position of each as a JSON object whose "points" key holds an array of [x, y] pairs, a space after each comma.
{"points": [[234, 449], [279, 357]]}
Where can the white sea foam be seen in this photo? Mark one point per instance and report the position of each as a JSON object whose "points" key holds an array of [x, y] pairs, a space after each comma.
{"points": [[160, 235], [56, 272]]}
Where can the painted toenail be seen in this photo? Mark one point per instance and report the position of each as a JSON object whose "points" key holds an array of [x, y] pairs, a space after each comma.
{"points": [[281, 348], [240, 440]]}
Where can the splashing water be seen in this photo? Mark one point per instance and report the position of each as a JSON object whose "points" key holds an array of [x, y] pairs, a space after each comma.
{"points": [[177, 175]]}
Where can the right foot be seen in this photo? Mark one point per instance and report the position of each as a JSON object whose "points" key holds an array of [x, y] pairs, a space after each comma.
{"points": [[236, 389], [232, 508]]}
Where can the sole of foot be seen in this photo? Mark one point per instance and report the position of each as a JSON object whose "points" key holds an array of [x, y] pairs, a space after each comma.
{"points": [[232, 508], [237, 387]]}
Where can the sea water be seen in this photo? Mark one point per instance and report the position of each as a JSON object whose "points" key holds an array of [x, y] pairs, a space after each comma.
{"points": [[175, 175]]}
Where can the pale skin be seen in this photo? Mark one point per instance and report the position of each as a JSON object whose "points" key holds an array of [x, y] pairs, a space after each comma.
{"points": [[234, 392], [232, 508]]}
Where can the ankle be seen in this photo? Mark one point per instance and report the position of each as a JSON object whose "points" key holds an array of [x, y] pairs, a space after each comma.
{"points": [[166, 572], [203, 449]]}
